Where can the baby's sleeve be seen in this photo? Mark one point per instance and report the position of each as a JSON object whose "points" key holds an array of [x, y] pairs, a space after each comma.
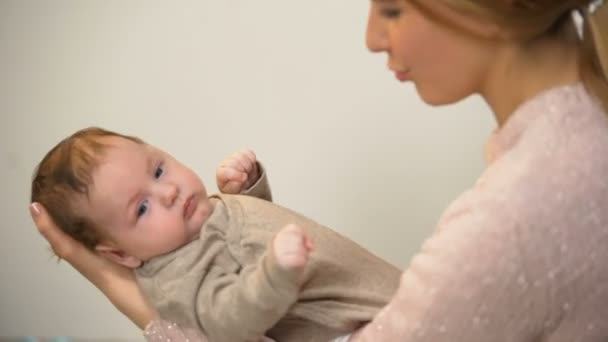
{"points": [[242, 307], [261, 188]]}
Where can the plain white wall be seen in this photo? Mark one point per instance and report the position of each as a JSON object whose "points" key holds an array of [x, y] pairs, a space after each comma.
{"points": [[344, 143]]}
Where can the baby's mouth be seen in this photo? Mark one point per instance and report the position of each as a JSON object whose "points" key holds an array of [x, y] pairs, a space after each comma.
{"points": [[189, 206]]}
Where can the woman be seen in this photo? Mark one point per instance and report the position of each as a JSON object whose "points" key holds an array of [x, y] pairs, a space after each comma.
{"points": [[521, 256]]}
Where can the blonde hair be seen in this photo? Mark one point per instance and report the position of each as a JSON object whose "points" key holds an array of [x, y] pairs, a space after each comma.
{"points": [[528, 20]]}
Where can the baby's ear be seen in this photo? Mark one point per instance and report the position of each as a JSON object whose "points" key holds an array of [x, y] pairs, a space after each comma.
{"points": [[118, 256]]}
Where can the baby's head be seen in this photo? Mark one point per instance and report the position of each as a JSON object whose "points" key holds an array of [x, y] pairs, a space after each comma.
{"points": [[119, 196]]}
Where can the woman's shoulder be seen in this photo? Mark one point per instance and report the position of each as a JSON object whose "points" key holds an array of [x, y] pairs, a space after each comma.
{"points": [[546, 189], [552, 149]]}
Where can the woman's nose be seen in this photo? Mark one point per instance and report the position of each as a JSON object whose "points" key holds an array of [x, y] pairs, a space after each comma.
{"points": [[376, 38], [167, 193]]}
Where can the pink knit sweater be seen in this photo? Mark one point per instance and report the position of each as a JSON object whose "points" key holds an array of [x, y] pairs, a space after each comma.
{"points": [[523, 255]]}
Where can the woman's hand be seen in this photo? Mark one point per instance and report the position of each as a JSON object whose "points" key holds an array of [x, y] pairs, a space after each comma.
{"points": [[115, 281]]}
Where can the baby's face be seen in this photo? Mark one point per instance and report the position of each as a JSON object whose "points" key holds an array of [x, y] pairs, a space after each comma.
{"points": [[146, 202]]}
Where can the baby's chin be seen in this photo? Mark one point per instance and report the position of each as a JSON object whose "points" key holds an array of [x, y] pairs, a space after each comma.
{"points": [[199, 218]]}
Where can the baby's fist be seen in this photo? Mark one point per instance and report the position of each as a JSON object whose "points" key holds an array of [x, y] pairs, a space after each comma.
{"points": [[237, 173], [292, 247]]}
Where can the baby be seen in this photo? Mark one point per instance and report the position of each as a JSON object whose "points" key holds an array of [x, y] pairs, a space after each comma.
{"points": [[233, 265]]}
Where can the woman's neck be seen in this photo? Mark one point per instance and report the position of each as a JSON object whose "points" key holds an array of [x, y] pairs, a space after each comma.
{"points": [[520, 73]]}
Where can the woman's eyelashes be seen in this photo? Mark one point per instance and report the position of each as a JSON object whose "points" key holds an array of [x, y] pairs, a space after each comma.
{"points": [[391, 13]]}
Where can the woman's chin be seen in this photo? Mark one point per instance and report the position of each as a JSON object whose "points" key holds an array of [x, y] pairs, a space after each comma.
{"points": [[434, 97]]}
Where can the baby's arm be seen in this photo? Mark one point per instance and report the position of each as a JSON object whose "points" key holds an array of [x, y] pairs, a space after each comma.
{"points": [[241, 173], [242, 307]]}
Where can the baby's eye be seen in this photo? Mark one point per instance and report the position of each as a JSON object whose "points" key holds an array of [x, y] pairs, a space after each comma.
{"points": [[143, 208], [159, 171]]}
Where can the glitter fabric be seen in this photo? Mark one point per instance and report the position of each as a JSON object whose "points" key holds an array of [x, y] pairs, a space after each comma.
{"points": [[162, 331], [522, 255]]}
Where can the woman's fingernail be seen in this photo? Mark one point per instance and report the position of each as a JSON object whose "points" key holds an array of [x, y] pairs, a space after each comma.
{"points": [[34, 209]]}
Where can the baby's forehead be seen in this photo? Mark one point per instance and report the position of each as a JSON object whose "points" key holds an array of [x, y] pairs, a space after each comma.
{"points": [[117, 150], [123, 160], [118, 176], [123, 169], [118, 142]]}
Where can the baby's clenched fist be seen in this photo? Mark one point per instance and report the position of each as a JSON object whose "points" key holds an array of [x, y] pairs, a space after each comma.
{"points": [[238, 172], [292, 248]]}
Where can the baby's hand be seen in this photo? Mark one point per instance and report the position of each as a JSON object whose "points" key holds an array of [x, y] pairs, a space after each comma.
{"points": [[237, 173], [292, 247]]}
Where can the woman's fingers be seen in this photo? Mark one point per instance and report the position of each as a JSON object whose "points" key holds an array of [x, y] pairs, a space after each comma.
{"points": [[62, 244]]}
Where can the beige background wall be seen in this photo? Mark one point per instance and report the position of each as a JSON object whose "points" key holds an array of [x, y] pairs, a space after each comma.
{"points": [[343, 141]]}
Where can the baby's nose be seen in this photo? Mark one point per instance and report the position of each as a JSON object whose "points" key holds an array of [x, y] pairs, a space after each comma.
{"points": [[168, 194]]}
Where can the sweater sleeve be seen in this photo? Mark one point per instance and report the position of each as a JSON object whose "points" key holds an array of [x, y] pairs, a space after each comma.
{"points": [[242, 307], [162, 331], [468, 283], [261, 188]]}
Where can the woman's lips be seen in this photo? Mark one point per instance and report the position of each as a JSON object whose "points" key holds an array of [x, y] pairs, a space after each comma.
{"points": [[402, 76]]}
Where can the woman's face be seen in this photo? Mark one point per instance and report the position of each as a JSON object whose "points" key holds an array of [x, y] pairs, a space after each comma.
{"points": [[445, 64]]}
